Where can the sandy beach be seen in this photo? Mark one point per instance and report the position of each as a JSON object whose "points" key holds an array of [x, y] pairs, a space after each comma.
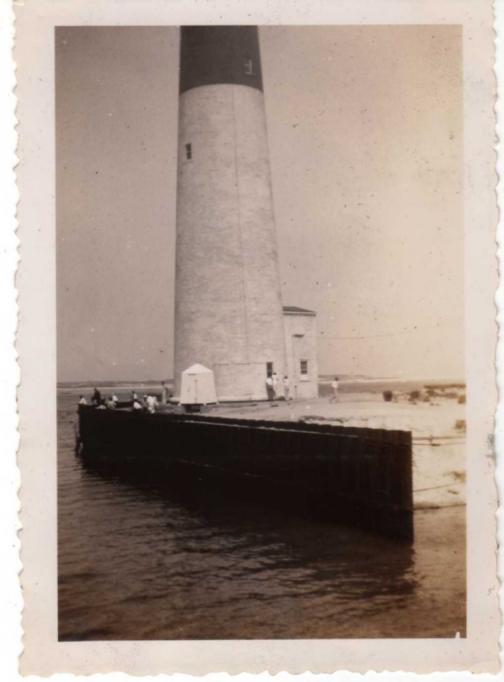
{"points": [[438, 430], [436, 420]]}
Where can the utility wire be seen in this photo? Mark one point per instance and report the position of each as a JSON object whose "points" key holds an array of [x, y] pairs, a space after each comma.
{"points": [[371, 336], [374, 336]]}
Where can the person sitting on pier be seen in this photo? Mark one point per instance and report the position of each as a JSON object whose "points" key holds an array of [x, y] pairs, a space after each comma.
{"points": [[151, 403], [82, 400], [96, 400], [137, 405], [115, 399], [110, 403]]}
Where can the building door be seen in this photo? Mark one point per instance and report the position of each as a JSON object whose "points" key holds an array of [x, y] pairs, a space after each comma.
{"points": [[297, 352]]}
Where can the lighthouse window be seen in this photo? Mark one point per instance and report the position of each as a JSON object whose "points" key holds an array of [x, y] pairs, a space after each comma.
{"points": [[269, 369], [303, 367], [188, 151], [248, 67]]}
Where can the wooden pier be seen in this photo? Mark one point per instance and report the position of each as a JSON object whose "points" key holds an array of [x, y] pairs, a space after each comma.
{"points": [[357, 476]]}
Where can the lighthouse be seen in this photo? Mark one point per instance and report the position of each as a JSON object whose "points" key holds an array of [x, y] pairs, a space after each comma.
{"points": [[228, 304]]}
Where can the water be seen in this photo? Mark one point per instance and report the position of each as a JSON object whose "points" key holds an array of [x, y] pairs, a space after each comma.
{"points": [[139, 562]]}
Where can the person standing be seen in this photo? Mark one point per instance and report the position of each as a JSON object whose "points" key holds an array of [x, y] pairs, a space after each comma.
{"points": [[274, 380], [269, 387], [335, 390], [286, 387], [96, 400]]}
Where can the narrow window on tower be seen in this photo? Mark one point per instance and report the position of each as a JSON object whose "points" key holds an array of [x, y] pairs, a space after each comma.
{"points": [[269, 369], [303, 367], [248, 67], [188, 151]]}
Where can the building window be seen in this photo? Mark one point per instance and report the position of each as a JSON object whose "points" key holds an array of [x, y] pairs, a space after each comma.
{"points": [[248, 67], [303, 367], [269, 369], [188, 151]]}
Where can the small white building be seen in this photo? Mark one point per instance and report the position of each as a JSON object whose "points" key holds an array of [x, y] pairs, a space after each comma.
{"points": [[197, 386], [301, 351], [198, 383]]}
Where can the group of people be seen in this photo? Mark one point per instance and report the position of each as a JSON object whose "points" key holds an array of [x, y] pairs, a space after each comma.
{"points": [[272, 383], [110, 402], [148, 403]]}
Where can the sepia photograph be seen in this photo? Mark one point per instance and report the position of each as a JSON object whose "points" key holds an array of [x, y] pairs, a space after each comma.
{"points": [[257, 337], [261, 377]]}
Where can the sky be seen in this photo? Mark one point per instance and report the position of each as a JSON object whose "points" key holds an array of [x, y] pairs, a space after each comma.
{"points": [[365, 130]]}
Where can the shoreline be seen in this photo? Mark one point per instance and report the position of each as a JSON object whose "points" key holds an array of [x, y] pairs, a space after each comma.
{"points": [[437, 427]]}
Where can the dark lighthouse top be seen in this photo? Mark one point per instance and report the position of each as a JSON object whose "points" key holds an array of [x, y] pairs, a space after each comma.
{"points": [[211, 55]]}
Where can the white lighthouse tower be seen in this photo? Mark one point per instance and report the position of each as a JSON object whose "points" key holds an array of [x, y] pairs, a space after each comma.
{"points": [[228, 306]]}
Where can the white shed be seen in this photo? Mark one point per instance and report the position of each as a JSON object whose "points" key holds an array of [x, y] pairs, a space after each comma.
{"points": [[197, 386]]}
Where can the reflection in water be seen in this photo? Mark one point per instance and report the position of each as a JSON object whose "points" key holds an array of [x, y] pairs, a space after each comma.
{"points": [[138, 560]]}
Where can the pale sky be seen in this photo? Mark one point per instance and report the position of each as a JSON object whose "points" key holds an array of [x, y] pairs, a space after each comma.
{"points": [[365, 135]]}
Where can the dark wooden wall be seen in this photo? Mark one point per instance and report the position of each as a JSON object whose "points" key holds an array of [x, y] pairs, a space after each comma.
{"points": [[358, 476]]}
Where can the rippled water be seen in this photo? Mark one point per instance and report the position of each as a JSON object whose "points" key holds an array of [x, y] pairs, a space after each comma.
{"points": [[137, 561]]}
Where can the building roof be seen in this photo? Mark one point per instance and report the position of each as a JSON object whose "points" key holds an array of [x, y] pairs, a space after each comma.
{"points": [[211, 55], [197, 369], [295, 310]]}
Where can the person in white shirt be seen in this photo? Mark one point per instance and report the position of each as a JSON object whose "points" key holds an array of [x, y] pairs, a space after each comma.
{"points": [[151, 403], [269, 387], [82, 400], [274, 379], [286, 387], [335, 389]]}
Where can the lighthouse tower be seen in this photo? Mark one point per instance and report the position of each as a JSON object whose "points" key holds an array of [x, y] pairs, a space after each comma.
{"points": [[228, 306]]}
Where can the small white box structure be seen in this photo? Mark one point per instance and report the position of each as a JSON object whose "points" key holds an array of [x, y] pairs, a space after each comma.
{"points": [[197, 386]]}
